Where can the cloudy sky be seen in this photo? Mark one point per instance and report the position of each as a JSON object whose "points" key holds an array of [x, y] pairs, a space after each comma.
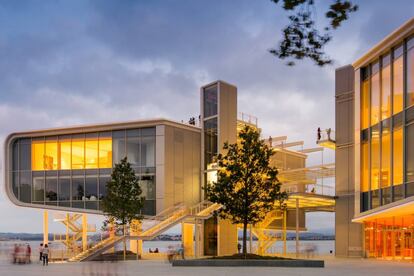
{"points": [[76, 62]]}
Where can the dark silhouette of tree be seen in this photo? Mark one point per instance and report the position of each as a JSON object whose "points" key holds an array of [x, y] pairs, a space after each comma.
{"points": [[247, 186], [301, 38], [123, 201]]}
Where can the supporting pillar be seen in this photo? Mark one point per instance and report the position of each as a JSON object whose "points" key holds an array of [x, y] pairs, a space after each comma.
{"points": [[297, 228], [135, 245], [84, 232], [67, 231], [45, 227], [284, 232], [251, 239], [187, 239]]}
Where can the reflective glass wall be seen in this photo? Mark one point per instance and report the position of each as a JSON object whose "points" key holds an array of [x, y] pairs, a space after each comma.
{"points": [[387, 129], [72, 170]]}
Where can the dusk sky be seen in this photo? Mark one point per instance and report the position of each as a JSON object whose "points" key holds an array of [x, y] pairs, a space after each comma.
{"points": [[66, 63]]}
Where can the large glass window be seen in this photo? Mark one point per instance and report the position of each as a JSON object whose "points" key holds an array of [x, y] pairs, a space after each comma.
{"points": [[409, 153], [385, 155], [119, 146], [78, 188], [133, 150], [65, 153], [64, 188], [24, 156], [105, 152], [398, 80], [365, 102], [78, 153], [375, 94], [210, 101], [385, 88], [38, 152], [365, 167], [210, 141], [25, 186], [91, 154], [148, 152], [51, 155], [398, 155], [410, 76], [38, 187], [51, 188], [375, 158]]}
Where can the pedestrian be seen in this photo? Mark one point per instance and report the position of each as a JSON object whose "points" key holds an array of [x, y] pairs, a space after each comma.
{"points": [[239, 247], [28, 254], [45, 255], [41, 252], [15, 251], [319, 134]]}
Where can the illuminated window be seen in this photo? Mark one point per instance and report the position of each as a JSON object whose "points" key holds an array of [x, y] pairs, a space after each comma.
{"points": [[375, 94], [410, 77], [409, 151], [385, 157], [38, 152], [65, 154], [105, 152], [78, 154], [91, 151], [398, 156], [365, 104], [51, 156], [385, 88], [364, 167], [375, 158], [398, 81]]}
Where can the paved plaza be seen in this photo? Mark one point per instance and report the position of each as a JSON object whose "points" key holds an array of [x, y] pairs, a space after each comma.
{"points": [[334, 267]]}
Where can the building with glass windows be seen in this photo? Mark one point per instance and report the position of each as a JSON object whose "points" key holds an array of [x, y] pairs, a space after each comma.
{"points": [[375, 150]]}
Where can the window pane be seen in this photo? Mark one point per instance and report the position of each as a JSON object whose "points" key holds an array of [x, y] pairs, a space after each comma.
{"points": [[375, 158], [119, 149], [91, 151], [38, 188], [64, 189], [410, 77], [147, 185], [15, 155], [25, 186], [91, 188], [210, 101], [133, 150], [65, 154], [210, 140], [386, 92], [102, 186], [24, 157], [51, 159], [398, 156], [398, 84], [375, 98], [15, 184], [364, 167], [148, 151], [78, 189], [38, 152], [105, 153], [51, 189], [365, 105], [78, 154], [410, 153], [386, 158]]}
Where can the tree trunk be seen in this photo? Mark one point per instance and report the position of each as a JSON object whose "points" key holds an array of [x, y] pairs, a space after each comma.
{"points": [[245, 239], [124, 240]]}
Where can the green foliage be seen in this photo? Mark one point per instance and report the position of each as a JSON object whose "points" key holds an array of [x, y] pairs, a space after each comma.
{"points": [[247, 186], [123, 202], [301, 38]]}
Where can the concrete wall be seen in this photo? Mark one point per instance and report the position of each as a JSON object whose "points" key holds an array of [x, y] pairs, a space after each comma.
{"points": [[177, 166], [349, 238]]}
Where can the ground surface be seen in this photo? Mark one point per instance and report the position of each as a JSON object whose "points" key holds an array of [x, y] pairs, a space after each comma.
{"points": [[334, 267]]}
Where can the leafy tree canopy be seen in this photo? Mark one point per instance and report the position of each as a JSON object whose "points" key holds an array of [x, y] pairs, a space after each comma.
{"points": [[301, 38]]}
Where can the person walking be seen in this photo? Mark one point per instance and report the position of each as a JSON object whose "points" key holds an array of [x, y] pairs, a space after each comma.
{"points": [[45, 255], [41, 252], [28, 254]]}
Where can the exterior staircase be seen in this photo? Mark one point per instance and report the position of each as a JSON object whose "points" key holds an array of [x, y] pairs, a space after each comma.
{"points": [[158, 224], [266, 239]]}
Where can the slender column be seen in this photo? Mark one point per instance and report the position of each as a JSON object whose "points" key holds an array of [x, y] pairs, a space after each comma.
{"points": [[251, 239], [45, 227], [197, 239], [297, 227], [84, 232], [284, 232], [393, 238], [67, 230]]}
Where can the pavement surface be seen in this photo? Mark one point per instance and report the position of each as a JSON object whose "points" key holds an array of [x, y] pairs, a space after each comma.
{"points": [[334, 266]]}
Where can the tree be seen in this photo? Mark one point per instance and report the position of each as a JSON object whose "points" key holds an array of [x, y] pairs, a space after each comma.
{"points": [[301, 38], [247, 186], [123, 201]]}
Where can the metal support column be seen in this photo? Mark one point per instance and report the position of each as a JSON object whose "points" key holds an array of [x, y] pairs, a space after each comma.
{"points": [[197, 239], [251, 239], [297, 228], [84, 232], [45, 227], [284, 232]]}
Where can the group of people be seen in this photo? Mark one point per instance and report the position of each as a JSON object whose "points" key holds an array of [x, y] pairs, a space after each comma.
{"points": [[21, 254], [44, 254], [154, 251]]}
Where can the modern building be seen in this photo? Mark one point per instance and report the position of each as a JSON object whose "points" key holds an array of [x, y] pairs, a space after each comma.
{"points": [[66, 169], [375, 150]]}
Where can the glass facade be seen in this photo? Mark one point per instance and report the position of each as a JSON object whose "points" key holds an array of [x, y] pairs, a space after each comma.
{"points": [[387, 127], [72, 170]]}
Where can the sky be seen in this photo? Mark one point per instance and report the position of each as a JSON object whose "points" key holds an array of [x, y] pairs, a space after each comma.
{"points": [[75, 62]]}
